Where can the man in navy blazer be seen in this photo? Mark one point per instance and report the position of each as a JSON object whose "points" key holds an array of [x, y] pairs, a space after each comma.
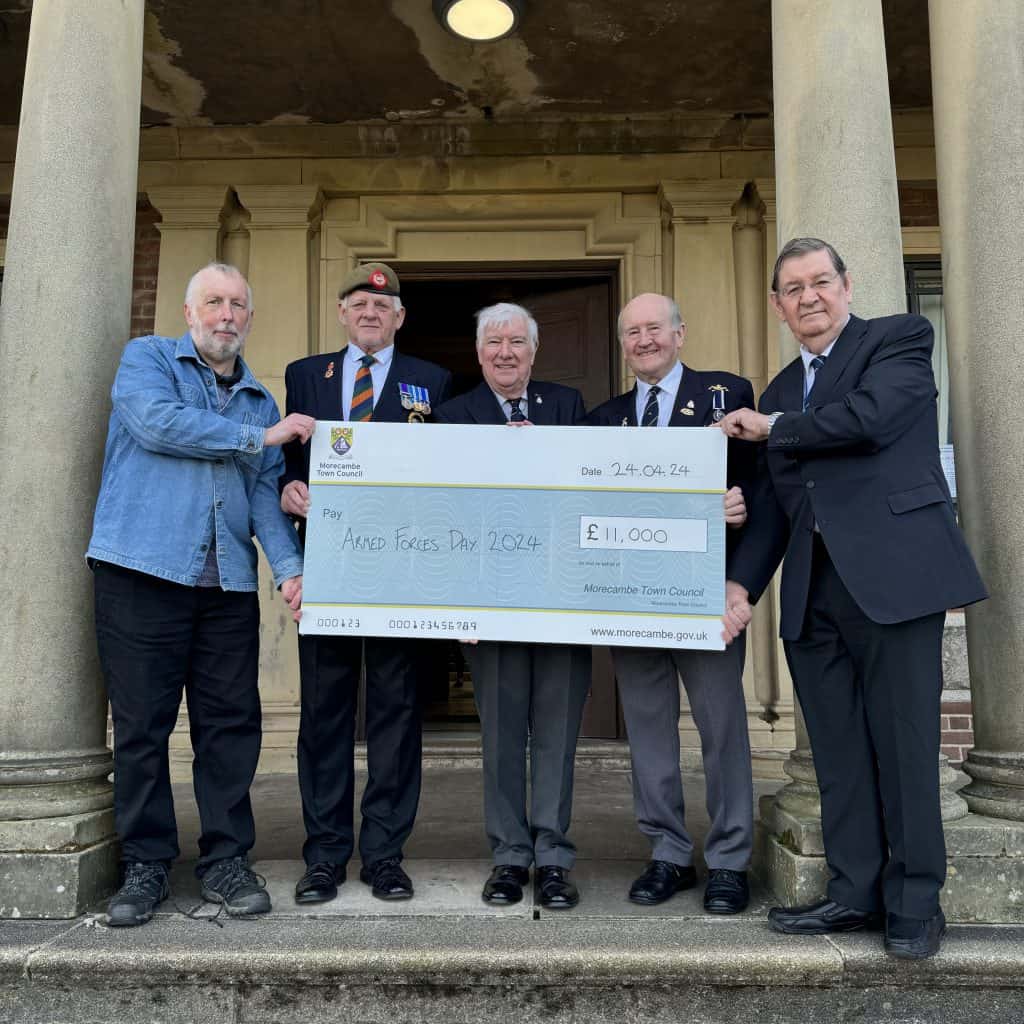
{"points": [[527, 694], [670, 394], [854, 498], [368, 379]]}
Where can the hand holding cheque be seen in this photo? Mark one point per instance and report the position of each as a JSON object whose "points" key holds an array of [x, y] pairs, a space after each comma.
{"points": [[553, 533]]}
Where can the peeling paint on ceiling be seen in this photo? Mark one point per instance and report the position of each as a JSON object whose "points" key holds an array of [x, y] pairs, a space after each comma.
{"points": [[166, 87]]}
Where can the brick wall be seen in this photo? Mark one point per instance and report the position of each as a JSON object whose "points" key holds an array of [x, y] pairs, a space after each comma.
{"points": [[957, 730], [919, 204], [5, 212], [147, 260]]}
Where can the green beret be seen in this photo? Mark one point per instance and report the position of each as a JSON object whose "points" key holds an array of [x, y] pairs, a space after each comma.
{"points": [[371, 277]]}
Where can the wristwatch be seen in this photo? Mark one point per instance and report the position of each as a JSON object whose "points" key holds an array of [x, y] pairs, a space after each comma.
{"points": [[772, 420]]}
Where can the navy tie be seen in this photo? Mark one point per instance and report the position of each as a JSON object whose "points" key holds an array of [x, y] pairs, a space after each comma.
{"points": [[816, 364], [650, 417], [516, 411]]}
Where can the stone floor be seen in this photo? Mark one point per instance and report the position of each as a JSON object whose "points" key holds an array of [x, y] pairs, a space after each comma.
{"points": [[446, 957]]}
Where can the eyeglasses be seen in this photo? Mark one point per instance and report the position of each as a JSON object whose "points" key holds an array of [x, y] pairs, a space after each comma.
{"points": [[819, 284]]}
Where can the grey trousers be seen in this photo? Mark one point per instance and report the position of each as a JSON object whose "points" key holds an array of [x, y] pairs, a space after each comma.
{"points": [[529, 694], [649, 690]]}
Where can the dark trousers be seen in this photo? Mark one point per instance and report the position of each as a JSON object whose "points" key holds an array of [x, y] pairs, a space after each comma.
{"points": [[329, 668], [156, 640], [870, 695]]}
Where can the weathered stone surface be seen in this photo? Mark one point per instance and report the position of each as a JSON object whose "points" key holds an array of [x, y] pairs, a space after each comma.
{"points": [[793, 877], [800, 834], [57, 834], [56, 885]]}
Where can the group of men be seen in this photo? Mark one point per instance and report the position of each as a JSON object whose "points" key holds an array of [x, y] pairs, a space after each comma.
{"points": [[839, 473]]}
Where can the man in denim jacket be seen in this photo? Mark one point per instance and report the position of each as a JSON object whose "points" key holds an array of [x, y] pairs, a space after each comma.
{"points": [[189, 476]]}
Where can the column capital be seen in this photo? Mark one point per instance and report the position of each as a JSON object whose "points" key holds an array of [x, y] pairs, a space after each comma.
{"points": [[281, 206], [699, 202], [185, 207]]}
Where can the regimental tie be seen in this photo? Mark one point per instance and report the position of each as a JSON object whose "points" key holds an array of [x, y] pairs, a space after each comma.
{"points": [[650, 417], [515, 411], [816, 364], [362, 392]]}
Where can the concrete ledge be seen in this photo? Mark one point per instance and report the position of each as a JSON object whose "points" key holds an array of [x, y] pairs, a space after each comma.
{"points": [[559, 969]]}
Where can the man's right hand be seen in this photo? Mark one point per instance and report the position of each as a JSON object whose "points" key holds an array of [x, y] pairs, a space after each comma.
{"points": [[294, 427], [295, 499]]}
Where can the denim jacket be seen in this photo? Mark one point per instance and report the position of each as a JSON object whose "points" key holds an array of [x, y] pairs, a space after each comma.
{"points": [[177, 473]]}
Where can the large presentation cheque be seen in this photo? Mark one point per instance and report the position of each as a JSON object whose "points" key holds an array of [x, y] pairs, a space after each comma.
{"points": [[583, 535]]}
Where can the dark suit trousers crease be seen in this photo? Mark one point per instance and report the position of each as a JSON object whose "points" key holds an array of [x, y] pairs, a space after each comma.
{"points": [[329, 668], [529, 695], [649, 689], [870, 695], [157, 640]]}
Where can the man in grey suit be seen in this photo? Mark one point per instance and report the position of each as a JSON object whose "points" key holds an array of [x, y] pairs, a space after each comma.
{"points": [[669, 394], [527, 694]]}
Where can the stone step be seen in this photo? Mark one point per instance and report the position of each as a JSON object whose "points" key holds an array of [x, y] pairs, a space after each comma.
{"points": [[449, 969]]}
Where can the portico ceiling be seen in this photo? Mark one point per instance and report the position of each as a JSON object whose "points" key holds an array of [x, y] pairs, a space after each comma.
{"points": [[242, 62]]}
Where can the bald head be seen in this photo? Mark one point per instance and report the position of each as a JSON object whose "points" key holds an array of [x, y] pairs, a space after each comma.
{"points": [[651, 332]]}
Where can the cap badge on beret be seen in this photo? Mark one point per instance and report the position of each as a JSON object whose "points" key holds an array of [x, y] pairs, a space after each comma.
{"points": [[378, 280]]}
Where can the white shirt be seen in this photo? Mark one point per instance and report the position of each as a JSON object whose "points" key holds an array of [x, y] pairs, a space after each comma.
{"points": [[506, 403], [378, 374], [668, 388]]}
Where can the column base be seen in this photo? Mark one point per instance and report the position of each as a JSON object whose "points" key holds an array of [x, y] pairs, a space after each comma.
{"points": [[56, 868], [984, 876]]}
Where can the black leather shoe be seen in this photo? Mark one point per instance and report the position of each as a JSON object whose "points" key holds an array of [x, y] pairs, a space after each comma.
{"points": [[910, 939], [505, 886], [387, 879], [660, 881], [727, 892], [320, 882], [822, 917], [556, 891]]}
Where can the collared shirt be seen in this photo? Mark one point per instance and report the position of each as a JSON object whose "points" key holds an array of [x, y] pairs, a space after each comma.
{"points": [[506, 403], [807, 355], [180, 472], [378, 374], [668, 389]]}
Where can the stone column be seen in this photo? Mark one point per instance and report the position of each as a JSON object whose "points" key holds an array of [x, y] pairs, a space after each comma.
{"points": [[979, 140], [189, 235], [831, 100], [282, 223], [835, 168], [64, 319], [700, 218]]}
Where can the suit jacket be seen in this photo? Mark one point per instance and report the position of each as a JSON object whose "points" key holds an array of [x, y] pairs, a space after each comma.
{"points": [[862, 462], [312, 392], [697, 386], [551, 405]]}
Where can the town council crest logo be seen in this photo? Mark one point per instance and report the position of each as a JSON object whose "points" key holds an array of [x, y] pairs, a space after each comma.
{"points": [[341, 440]]}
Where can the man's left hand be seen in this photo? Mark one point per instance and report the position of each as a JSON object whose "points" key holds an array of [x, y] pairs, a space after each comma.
{"points": [[291, 591], [746, 424], [735, 508]]}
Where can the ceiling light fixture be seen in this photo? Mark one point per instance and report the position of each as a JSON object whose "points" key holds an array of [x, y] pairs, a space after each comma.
{"points": [[480, 21]]}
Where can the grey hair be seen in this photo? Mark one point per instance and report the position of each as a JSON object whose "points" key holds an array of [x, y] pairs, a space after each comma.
{"points": [[801, 247], [503, 313], [675, 317], [221, 268], [396, 300]]}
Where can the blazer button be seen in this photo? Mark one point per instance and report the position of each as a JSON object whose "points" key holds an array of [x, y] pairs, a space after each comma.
{"points": [[810, 485]]}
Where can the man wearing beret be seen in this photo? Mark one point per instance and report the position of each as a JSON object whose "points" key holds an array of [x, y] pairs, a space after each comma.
{"points": [[368, 379]]}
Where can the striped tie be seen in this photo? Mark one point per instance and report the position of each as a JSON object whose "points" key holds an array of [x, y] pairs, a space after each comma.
{"points": [[362, 392], [650, 418], [516, 410], [816, 364]]}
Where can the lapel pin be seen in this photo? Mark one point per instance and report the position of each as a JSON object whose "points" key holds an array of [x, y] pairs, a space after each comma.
{"points": [[329, 372], [538, 400], [687, 411], [625, 421]]}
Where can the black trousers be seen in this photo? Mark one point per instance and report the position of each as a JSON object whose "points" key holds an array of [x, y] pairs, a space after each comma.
{"points": [[156, 640], [870, 695], [329, 669]]}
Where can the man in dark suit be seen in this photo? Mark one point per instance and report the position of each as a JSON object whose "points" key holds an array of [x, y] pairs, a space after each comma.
{"points": [[368, 379], [855, 498], [669, 394], [526, 693]]}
